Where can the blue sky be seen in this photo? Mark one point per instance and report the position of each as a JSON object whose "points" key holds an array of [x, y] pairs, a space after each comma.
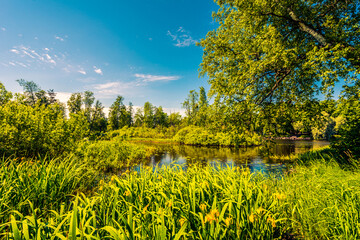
{"points": [[143, 50]]}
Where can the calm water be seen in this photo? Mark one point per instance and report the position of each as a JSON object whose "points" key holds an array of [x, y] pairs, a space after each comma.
{"points": [[256, 158]]}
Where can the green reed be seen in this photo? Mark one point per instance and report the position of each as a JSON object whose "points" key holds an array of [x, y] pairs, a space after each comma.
{"points": [[318, 201]]}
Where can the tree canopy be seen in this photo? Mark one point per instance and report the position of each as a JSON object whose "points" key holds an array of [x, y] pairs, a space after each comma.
{"points": [[275, 50]]}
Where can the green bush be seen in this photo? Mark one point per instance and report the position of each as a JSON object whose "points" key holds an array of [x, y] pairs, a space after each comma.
{"points": [[30, 131]]}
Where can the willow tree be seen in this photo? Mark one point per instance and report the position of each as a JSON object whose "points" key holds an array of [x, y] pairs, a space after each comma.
{"points": [[274, 50]]}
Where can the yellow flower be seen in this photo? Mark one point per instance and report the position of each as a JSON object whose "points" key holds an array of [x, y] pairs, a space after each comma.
{"points": [[101, 182], [272, 221], [280, 196], [145, 209], [101, 188], [202, 207], [265, 187], [252, 218], [215, 212], [135, 173], [182, 221], [260, 210], [209, 218], [159, 177], [127, 193], [227, 221]]}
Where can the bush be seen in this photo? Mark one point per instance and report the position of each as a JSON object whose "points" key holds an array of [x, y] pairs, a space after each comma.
{"points": [[30, 131]]}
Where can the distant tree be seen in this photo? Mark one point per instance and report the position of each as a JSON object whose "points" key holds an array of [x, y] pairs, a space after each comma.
{"points": [[138, 118], [98, 121], [130, 113], [148, 115], [160, 117], [30, 90], [74, 103], [118, 116], [191, 105]]}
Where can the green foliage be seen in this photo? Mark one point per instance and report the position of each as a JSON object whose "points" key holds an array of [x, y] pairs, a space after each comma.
{"points": [[265, 51], [348, 143], [112, 155], [39, 129], [5, 95]]}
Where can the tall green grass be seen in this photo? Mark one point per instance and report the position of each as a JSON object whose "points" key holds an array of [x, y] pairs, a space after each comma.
{"points": [[39, 184], [318, 201]]}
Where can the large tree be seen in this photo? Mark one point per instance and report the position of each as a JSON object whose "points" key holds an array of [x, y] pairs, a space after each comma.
{"points": [[274, 50]]}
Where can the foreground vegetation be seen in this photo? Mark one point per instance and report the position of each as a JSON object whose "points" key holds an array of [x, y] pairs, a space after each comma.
{"points": [[317, 201]]}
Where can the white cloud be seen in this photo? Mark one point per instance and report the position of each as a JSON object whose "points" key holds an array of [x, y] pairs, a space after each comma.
{"points": [[14, 51], [98, 70], [155, 78], [11, 63], [46, 49], [182, 38], [3, 29], [82, 72], [59, 38]]}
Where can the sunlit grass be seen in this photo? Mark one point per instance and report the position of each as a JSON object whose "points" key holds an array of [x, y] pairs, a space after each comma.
{"points": [[317, 201]]}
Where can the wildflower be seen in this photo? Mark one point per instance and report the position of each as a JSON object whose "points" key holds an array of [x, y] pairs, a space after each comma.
{"points": [[101, 182], [260, 210], [252, 218], [182, 221], [204, 184], [227, 221], [127, 193], [209, 218], [113, 177], [135, 173], [169, 203], [265, 187], [272, 221], [280, 196], [101, 188], [202, 207], [159, 177], [214, 212], [145, 209]]}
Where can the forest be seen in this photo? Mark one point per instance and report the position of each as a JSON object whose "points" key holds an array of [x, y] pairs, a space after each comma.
{"points": [[68, 169]]}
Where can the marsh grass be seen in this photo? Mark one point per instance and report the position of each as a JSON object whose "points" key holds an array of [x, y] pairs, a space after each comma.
{"points": [[317, 201], [39, 184]]}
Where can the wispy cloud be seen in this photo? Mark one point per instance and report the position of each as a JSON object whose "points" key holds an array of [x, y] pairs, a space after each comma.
{"points": [[155, 78], [3, 29], [110, 89], [98, 70], [182, 38]]}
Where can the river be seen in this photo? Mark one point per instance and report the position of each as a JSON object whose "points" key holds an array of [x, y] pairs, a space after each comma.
{"points": [[255, 158]]}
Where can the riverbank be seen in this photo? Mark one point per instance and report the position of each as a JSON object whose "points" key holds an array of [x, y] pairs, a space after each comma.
{"points": [[228, 204]]}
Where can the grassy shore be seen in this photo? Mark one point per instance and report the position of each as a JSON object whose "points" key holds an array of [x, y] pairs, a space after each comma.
{"points": [[316, 200]]}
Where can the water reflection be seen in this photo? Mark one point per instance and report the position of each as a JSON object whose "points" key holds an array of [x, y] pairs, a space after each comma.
{"points": [[256, 158]]}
